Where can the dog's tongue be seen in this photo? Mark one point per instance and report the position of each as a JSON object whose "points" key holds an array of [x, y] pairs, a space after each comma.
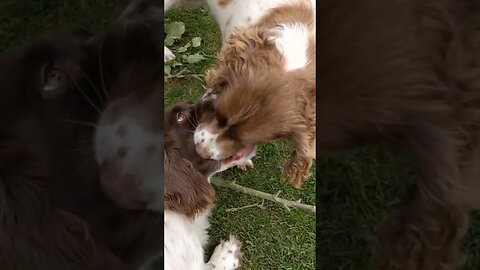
{"points": [[244, 152]]}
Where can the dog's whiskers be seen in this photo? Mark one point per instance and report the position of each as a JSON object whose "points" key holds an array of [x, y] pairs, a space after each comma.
{"points": [[88, 124], [193, 124], [100, 69], [85, 95], [196, 117], [94, 87]]}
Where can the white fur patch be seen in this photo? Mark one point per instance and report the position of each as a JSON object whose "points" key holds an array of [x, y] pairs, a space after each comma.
{"points": [[241, 13], [291, 41], [184, 241], [207, 140], [135, 142]]}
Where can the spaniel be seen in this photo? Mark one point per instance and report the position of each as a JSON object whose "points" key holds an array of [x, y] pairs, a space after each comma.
{"points": [[128, 145], [263, 86]]}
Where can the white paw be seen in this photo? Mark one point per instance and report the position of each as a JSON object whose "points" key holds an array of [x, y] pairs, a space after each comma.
{"points": [[167, 55], [227, 255], [245, 165]]}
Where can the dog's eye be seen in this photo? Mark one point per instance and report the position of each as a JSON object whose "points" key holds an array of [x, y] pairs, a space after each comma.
{"points": [[181, 117], [54, 80]]}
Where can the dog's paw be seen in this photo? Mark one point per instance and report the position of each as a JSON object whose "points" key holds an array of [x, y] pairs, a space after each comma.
{"points": [[296, 172], [227, 255], [168, 55], [245, 165]]}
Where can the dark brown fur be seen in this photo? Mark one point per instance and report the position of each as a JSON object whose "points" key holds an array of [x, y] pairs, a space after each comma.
{"points": [[35, 232], [406, 73], [53, 214], [186, 186], [182, 132]]}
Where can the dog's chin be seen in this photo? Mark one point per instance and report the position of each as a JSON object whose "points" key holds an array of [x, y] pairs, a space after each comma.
{"points": [[242, 154]]}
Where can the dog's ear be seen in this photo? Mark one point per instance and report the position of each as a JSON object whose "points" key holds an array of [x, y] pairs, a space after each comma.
{"points": [[217, 81], [186, 190]]}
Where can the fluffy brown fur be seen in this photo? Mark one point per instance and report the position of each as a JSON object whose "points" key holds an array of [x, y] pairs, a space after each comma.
{"points": [[406, 73], [187, 191], [258, 101], [186, 186]]}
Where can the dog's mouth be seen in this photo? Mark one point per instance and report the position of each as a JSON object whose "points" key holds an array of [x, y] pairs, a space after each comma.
{"points": [[243, 153]]}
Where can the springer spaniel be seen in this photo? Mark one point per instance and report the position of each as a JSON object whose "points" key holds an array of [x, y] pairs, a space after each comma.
{"points": [[128, 139], [263, 86]]}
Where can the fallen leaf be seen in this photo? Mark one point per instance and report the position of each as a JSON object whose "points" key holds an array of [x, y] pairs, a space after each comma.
{"points": [[196, 41], [195, 58], [184, 48], [167, 69]]}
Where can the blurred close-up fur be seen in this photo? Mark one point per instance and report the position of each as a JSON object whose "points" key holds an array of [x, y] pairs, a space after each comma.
{"points": [[54, 213], [405, 74]]}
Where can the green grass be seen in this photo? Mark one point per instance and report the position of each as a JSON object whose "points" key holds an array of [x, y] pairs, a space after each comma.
{"points": [[273, 237]]}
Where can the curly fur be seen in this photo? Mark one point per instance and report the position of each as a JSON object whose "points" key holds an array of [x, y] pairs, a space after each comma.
{"points": [[261, 101]]}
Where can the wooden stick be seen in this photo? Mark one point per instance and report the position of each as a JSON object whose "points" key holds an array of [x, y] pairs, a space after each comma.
{"points": [[271, 197], [259, 205]]}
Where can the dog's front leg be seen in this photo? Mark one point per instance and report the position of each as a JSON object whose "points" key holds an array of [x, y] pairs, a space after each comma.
{"points": [[297, 168]]}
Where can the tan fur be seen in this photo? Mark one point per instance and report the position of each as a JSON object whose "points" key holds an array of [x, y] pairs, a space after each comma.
{"points": [[300, 12], [261, 100], [224, 3]]}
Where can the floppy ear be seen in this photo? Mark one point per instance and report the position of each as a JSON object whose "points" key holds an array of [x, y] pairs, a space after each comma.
{"points": [[216, 82], [186, 189]]}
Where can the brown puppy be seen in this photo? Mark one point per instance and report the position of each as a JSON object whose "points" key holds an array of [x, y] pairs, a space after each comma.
{"points": [[128, 147], [406, 73]]}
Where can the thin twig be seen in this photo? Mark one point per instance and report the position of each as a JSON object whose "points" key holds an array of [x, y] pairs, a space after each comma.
{"points": [[180, 76], [271, 197], [259, 205]]}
